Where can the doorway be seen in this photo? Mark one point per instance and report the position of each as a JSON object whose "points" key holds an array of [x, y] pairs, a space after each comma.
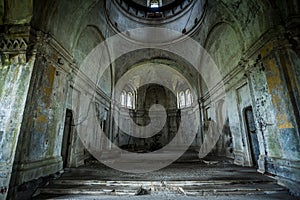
{"points": [[66, 143], [252, 135]]}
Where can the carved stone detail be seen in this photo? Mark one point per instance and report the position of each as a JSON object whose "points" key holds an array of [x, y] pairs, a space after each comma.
{"points": [[13, 45]]}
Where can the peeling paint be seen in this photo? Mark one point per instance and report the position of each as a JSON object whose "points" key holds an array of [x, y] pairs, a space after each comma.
{"points": [[283, 121], [273, 77], [275, 86], [267, 49]]}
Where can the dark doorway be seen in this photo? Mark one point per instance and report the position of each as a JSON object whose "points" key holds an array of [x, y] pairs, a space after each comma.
{"points": [[65, 151], [252, 135]]}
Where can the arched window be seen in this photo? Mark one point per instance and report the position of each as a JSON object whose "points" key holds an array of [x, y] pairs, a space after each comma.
{"points": [[181, 99], [123, 99], [188, 98], [154, 4], [129, 100], [184, 98]]}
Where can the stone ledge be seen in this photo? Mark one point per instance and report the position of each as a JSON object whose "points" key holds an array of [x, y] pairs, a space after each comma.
{"points": [[287, 173], [293, 186], [29, 171]]}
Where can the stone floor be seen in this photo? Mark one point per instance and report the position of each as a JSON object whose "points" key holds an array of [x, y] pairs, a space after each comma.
{"points": [[188, 178]]}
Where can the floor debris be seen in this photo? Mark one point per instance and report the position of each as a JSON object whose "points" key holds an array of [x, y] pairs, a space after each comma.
{"points": [[142, 191]]}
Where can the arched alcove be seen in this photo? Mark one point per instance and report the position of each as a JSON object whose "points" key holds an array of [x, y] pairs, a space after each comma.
{"points": [[223, 44]]}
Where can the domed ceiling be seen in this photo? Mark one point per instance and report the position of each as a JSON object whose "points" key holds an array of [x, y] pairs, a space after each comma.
{"points": [[144, 2]]}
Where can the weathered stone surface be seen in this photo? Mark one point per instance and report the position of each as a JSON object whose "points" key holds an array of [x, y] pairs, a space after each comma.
{"points": [[15, 75], [254, 43]]}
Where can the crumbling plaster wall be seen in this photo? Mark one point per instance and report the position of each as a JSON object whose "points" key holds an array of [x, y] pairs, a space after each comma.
{"points": [[17, 61], [280, 77], [272, 82], [39, 147], [16, 67], [89, 37], [243, 29], [66, 20], [242, 23]]}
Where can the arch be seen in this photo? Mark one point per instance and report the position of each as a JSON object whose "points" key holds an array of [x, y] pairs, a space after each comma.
{"points": [[155, 94], [85, 8], [44, 14], [88, 39], [123, 98], [129, 100], [184, 98], [262, 12], [178, 64], [51, 14], [188, 98], [225, 46], [154, 3], [210, 36], [94, 29], [181, 99]]}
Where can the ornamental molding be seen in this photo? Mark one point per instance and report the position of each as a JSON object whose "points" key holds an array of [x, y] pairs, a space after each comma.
{"points": [[13, 45]]}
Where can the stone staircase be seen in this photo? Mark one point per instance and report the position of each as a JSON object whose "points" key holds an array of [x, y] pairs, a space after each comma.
{"points": [[82, 183], [189, 188]]}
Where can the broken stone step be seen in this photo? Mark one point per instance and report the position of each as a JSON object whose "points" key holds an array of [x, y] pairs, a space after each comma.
{"points": [[85, 190], [228, 193], [157, 183], [191, 175], [255, 186], [189, 190], [236, 189]]}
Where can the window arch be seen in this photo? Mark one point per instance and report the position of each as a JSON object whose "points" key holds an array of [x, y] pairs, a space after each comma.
{"points": [[127, 99], [184, 98], [154, 4], [123, 99], [188, 98], [181, 98]]}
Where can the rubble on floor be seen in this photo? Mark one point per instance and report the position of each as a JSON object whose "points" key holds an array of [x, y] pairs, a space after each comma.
{"points": [[181, 180]]}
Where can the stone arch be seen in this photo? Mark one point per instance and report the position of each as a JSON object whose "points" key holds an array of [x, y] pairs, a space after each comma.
{"points": [[237, 31], [227, 49], [166, 59], [61, 18], [45, 14], [90, 32], [250, 18], [87, 40]]}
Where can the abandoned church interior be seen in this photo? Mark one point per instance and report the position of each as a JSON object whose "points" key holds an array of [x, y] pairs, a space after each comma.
{"points": [[150, 99]]}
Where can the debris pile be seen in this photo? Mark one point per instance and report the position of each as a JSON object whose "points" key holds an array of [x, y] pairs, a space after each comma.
{"points": [[163, 187]]}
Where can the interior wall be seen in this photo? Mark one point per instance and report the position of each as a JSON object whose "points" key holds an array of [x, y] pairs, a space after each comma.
{"points": [[16, 68], [147, 96], [257, 43], [150, 94], [243, 101], [39, 147], [260, 62], [87, 41]]}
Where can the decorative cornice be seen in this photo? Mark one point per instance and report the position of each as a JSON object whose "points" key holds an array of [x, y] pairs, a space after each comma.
{"points": [[14, 38], [54, 52], [13, 45]]}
